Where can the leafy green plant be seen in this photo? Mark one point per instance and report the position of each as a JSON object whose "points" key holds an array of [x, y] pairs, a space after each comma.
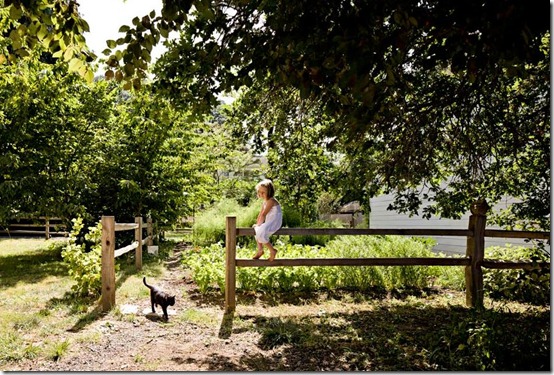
{"points": [[382, 246], [208, 267], [489, 340], [531, 286], [85, 266]]}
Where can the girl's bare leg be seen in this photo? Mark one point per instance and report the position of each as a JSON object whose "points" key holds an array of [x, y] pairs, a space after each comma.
{"points": [[272, 251], [260, 251]]}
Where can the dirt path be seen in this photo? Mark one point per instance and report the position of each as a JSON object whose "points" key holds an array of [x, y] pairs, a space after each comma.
{"points": [[194, 338], [324, 331]]}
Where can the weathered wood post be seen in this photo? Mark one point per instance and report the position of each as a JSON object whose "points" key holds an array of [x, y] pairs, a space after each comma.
{"points": [[47, 228], [230, 263], [138, 238], [476, 252], [108, 262], [149, 232]]}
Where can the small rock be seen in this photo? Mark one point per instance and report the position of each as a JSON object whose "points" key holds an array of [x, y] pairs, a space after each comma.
{"points": [[128, 309]]}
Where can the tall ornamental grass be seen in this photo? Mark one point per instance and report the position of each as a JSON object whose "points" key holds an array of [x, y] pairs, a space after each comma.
{"points": [[209, 227]]}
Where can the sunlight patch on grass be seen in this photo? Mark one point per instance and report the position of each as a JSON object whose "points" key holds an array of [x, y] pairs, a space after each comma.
{"points": [[199, 317], [11, 246], [34, 300], [133, 288], [92, 337]]}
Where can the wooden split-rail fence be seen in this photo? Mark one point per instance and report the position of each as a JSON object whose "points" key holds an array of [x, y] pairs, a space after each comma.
{"points": [[43, 226], [474, 261], [109, 252]]}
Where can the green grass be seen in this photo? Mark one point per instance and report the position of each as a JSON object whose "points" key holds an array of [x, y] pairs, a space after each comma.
{"points": [[36, 305], [299, 330]]}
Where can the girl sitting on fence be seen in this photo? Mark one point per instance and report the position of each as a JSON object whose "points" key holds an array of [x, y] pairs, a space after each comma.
{"points": [[269, 219]]}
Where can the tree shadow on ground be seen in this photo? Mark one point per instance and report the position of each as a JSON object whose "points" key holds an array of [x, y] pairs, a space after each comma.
{"points": [[77, 305], [215, 297], [31, 267], [397, 338]]}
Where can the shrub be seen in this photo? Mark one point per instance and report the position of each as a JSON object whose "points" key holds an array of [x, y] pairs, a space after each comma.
{"points": [[532, 286], [85, 266], [491, 340], [292, 218]]}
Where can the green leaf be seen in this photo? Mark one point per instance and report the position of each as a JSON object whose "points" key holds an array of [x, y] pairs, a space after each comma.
{"points": [[68, 54], [75, 64], [42, 32], [124, 29], [164, 31], [15, 12], [89, 75]]}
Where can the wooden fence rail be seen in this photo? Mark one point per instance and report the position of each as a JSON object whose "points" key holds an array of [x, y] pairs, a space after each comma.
{"points": [[473, 262], [52, 226], [109, 253]]}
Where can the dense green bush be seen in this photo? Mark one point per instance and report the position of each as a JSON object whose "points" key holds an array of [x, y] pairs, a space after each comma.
{"points": [[489, 340], [292, 218], [383, 247], [531, 286], [85, 266]]}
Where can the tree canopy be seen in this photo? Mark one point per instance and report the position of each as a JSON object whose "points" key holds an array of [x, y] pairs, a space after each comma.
{"points": [[419, 93]]}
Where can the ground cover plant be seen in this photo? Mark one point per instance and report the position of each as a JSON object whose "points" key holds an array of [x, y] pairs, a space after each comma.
{"points": [[45, 327], [208, 268], [517, 284]]}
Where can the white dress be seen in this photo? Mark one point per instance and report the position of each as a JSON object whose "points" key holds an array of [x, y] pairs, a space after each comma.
{"points": [[273, 221]]}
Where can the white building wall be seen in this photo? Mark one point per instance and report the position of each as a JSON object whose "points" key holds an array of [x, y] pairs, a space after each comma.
{"points": [[380, 218]]}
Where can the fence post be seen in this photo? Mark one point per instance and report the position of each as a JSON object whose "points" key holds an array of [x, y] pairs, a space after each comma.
{"points": [[230, 262], [476, 252], [149, 232], [108, 262], [138, 238], [47, 228]]}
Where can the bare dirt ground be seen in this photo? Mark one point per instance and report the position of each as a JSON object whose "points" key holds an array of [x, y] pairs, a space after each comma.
{"points": [[327, 331], [144, 341]]}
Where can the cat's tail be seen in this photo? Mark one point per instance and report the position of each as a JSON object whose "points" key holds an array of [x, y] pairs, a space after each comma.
{"points": [[144, 281]]}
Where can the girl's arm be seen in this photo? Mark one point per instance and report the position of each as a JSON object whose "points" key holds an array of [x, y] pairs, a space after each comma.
{"points": [[265, 210]]}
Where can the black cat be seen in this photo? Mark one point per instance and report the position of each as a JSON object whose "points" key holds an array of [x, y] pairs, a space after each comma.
{"points": [[160, 298]]}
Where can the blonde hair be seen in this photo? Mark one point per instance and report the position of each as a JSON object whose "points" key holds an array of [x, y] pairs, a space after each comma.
{"points": [[268, 184]]}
